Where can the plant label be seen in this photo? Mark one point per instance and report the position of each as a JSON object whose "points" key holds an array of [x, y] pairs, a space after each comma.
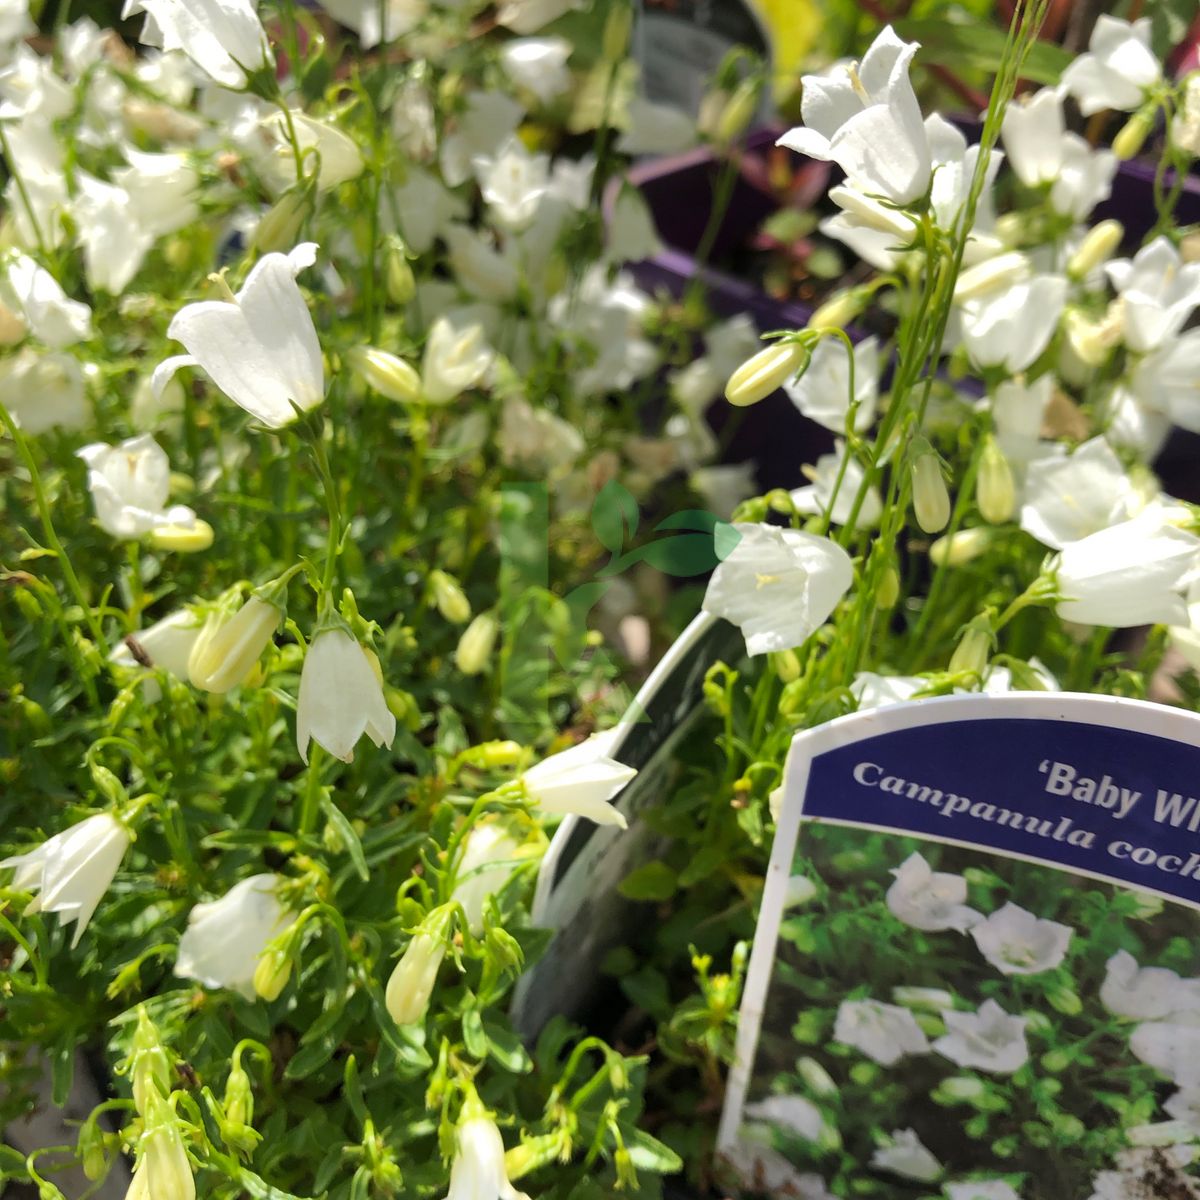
{"points": [[976, 973], [576, 894]]}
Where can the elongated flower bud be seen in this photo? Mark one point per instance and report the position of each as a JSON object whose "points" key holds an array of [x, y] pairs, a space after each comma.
{"points": [[411, 984], [401, 283], [450, 599], [738, 112], [839, 310], [476, 644], [991, 274], [974, 649], [960, 547], [1133, 134], [888, 591], [766, 372], [183, 539], [227, 650], [272, 973], [162, 1171], [279, 228], [931, 500], [994, 490], [618, 25], [1097, 247], [386, 374], [149, 1068]]}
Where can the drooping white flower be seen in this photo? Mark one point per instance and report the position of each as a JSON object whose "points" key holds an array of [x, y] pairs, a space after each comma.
{"points": [[163, 1170], [768, 1171], [822, 393], [1144, 993], [873, 691], [778, 585], [796, 1114], [1163, 384], [535, 437], [259, 347], [42, 391], [1118, 68], [482, 270], [1130, 574], [229, 647], [114, 239], [374, 23], [928, 899], [1067, 499], [166, 645], [513, 183], [654, 128], [1184, 1106], [488, 120], [1017, 412], [1016, 942], [489, 859], [130, 484], [1033, 133], [71, 871], [326, 150], [1172, 1047], [582, 779], [225, 938], [1085, 177], [411, 983], [632, 234], [907, 1156], [224, 38], [162, 190], [341, 697], [539, 65], [1159, 292], [989, 1040], [478, 1167], [33, 293], [883, 1032], [835, 488], [1011, 326], [866, 119]]}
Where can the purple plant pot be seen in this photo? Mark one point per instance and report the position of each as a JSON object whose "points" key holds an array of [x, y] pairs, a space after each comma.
{"points": [[679, 191]]}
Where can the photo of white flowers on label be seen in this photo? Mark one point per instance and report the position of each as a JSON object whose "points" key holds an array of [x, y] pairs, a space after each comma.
{"points": [[974, 977]]}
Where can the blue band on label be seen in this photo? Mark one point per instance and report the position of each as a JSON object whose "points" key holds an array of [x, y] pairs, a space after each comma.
{"points": [[1113, 803]]}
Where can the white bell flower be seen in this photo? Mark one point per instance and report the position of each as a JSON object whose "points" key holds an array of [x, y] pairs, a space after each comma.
{"points": [[1018, 409], [539, 65], [224, 38], [1069, 498], [322, 142], [163, 1170], [1118, 68], [528, 16], [1165, 380], [489, 859], [225, 938], [481, 270], [582, 780], [1085, 178], [411, 983], [1158, 293], [1172, 1047], [981, 1189], [778, 585], [513, 183], [988, 1040], [162, 190], [44, 391], [654, 128], [71, 871], [1145, 993], [927, 899], [1016, 942], [1032, 133], [33, 293], [1130, 574], [907, 1156], [885, 1033], [15, 21], [130, 484], [114, 239], [796, 1114], [822, 393], [816, 497], [535, 437], [1134, 424], [166, 645], [872, 690], [341, 697], [1011, 326], [489, 119], [375, 23], [866, 119], [632, 233], [259, 347], [454, 360], [428, 208], [478, 1168]]}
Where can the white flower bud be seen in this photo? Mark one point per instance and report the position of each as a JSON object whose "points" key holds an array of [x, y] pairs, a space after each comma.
{"points": [[766, 372], [973, 650], [991, 275], [227, 650], [994, 490], [454, 361], [931, 500], [450, 599], [191, 538], [1097, 247], [386, 374], [960, 547], [476, 644], [410, 987]]}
